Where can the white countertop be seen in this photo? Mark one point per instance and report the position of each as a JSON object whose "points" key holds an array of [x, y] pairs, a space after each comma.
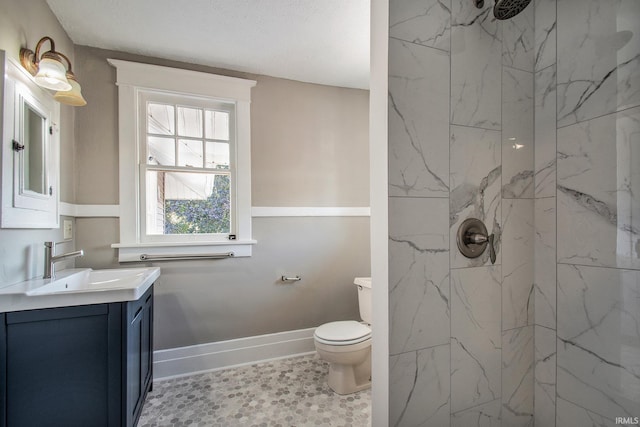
{"points": [[78, 286]]}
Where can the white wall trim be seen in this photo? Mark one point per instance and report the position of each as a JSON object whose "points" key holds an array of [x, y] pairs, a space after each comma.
{"points": [[113, 211], [183, 81], [182, 361], [265, 211], [107, 211], [379, 200], [133, 79]]}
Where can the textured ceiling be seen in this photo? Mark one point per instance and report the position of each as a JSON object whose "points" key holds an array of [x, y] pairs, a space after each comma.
{"points": [[318, 41]]}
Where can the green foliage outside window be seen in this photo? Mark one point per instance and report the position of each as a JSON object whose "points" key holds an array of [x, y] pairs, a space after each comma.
{"points": [[200, 216]]}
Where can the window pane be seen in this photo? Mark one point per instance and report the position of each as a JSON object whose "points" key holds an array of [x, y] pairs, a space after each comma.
{"points": [[161, 151], [190, 153], [217, 155], [216, 125], [190, 122], [187, 203], [161, 119]]}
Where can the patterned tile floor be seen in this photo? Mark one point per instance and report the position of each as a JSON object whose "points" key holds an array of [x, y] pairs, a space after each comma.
{"points": [[286, 393]]}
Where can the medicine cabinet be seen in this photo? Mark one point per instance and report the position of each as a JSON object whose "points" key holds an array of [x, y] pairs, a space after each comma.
{"points": [[30, 151]]}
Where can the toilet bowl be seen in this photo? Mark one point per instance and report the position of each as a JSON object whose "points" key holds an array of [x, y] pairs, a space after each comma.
{"points": [[346, 345]]}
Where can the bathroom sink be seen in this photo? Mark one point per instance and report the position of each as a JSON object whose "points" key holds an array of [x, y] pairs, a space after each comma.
{"points": [[88, 280], [78, 286]]}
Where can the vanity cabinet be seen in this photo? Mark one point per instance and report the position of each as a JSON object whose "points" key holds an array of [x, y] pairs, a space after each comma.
{"points": [[78, 366], [139, 354]]}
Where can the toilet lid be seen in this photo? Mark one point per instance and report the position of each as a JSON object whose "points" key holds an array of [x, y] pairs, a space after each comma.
{"points": [[342, 333]]}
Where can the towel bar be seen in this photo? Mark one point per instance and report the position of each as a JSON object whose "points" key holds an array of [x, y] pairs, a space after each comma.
{"points": [[185, 257]]}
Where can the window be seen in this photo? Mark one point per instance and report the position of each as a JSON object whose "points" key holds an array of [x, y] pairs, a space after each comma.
{"points": [[185, 144], [187, 171]]}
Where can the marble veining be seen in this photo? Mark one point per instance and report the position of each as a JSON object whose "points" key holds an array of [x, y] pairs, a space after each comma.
{"points": [[419, 309], [419, 388], [598, 186], [476, 187], [607, 212], [599, 339], [545, 376], [545, 132], [475, 336], [545, 262], [418, 120], [517, 263], [545, 34], [487, 415], [427, 23], [476, 66], [572, 415], [518, 40], [598, 58], [517, 377]]}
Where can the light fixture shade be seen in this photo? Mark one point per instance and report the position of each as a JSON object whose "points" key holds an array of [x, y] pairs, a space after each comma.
{"points": [[71, 97], [52, 75]]}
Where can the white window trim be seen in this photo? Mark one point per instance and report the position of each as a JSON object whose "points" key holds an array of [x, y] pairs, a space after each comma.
{"points": [[133, 77]]}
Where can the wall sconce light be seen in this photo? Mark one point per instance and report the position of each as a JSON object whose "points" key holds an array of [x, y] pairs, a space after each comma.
{"points": [[74, 96], [50, 72]]}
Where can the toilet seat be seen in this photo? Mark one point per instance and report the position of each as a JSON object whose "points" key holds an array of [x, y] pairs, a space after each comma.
{"points": [[346, 332]]}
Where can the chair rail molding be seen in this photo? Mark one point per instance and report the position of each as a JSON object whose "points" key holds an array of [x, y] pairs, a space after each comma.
{"points": [[113, 211]]}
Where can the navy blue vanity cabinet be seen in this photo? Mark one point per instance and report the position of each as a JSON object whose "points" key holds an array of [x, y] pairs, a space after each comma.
{"points": [[76, 366], [139, 354]]}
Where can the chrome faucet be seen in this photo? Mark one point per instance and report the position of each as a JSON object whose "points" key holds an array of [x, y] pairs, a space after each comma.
{"points": [[50, 260]]}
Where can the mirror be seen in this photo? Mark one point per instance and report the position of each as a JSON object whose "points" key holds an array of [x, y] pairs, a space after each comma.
{"points": [[34, 163], [30, 151]]}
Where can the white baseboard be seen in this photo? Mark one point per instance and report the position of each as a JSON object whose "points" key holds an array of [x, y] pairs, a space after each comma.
{"points": [[182, 361]]}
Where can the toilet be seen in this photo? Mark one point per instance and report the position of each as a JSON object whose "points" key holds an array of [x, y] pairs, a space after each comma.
{"points": [[346, 345]]}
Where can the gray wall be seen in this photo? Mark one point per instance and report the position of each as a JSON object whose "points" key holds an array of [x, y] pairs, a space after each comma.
{"points": [[309, 148], [22, 24], [460, 330], [309, 145]]}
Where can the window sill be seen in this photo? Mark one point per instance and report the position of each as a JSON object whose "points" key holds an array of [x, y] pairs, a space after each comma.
{"points": [[131, 252]]}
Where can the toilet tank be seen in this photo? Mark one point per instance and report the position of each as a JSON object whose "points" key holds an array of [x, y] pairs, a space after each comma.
{"points": [[364, 297]]}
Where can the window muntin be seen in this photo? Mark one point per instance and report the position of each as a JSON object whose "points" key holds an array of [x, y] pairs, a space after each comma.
{"points": [[187, 168]]}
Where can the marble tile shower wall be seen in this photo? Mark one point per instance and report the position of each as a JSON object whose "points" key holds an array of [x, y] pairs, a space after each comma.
{"points": [[461, 130], [596, 81], [545, 213]]}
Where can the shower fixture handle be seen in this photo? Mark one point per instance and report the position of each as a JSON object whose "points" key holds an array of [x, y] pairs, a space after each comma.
{"points": [[492, 248], [473, 239], [476, 238]]}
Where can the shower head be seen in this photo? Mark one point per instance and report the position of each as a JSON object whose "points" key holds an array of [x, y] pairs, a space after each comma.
{"points": [[506, 9]]}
